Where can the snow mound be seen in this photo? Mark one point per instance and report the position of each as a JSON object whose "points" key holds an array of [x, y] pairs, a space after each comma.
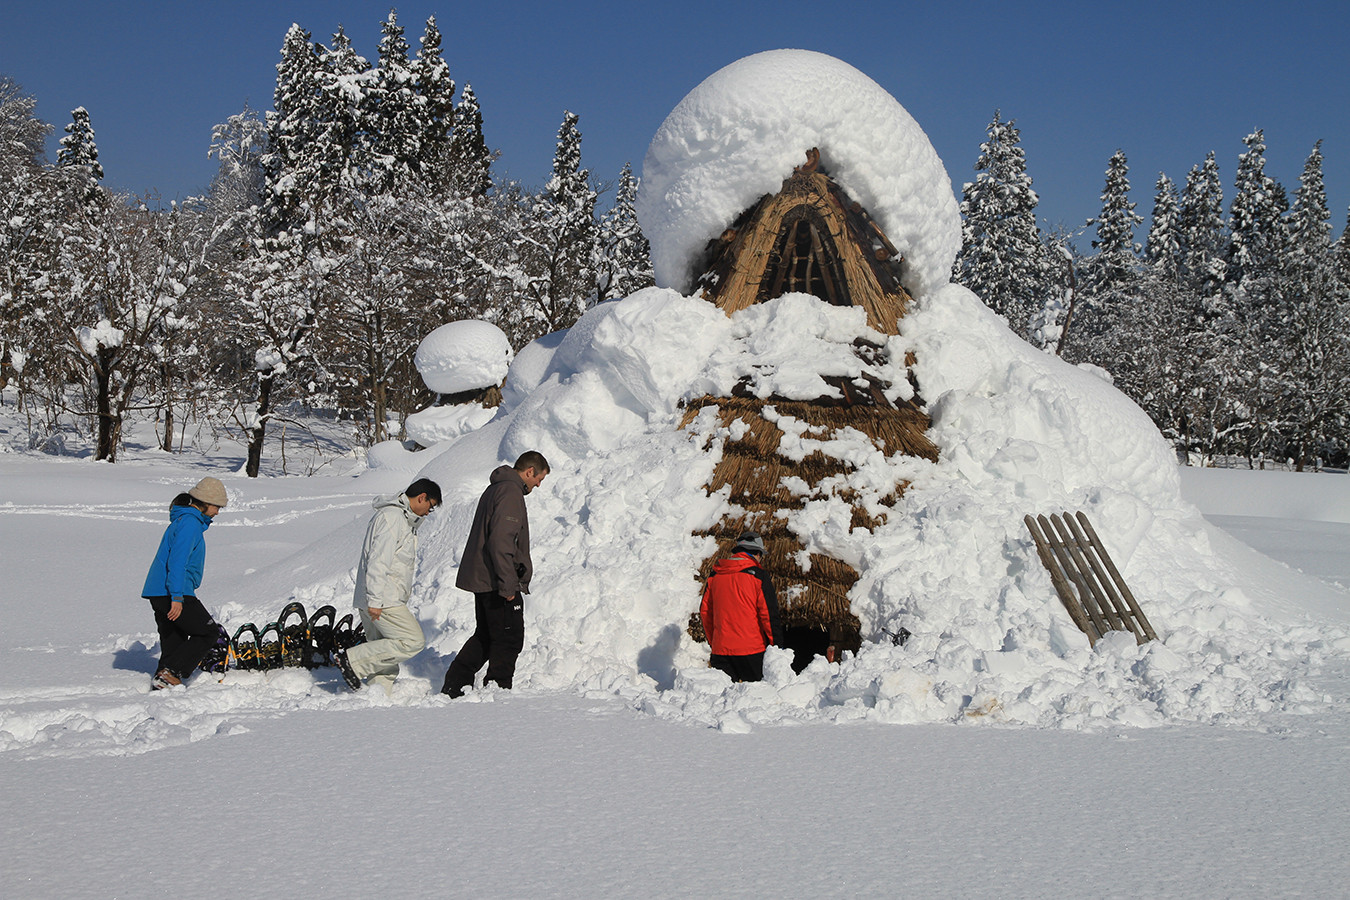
{"points": [[1019, 432], [463, 356], [736, 136], [440, 424]]}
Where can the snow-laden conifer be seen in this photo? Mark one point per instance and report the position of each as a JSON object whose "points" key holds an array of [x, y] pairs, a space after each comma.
{"points": [[623, 257], [1002, 258]]}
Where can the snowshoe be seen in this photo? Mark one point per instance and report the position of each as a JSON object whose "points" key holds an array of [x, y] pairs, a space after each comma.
{"points": [[245, 643], [293, 628], [344, 635], [269, 647], [321, 637], [217, 659], [345, 667]]}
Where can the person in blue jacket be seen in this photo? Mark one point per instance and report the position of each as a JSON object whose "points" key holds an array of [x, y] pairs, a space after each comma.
{"points": [[186, 629]]}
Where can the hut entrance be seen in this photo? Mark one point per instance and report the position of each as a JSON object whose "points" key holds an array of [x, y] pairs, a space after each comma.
{"points": [[804, 260]]}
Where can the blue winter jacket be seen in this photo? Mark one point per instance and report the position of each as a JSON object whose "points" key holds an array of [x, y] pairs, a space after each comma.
{"points": [[177, 569]]}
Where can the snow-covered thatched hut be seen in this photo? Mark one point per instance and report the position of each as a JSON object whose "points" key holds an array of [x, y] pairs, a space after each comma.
{"points": [[808, 236]]}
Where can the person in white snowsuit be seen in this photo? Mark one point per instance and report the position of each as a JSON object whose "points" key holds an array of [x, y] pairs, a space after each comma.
{"points": [[384, 582]]}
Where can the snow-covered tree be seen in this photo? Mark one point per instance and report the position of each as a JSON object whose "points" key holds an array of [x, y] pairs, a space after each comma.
{"points": [[29, 210], [79, 154], [393, 107], [1313, 359], [435, 107], [1255, 217], [118, 294], [1116, 262], [558, 245], [623, 262], [1163, 249], [470, 160], [292, 127], [340, 150], [1202, 231], [1002, 258]]}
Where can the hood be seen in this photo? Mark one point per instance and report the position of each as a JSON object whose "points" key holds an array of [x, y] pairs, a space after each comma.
{"points": [[506, 473], [397, 501], [738, 563], [178, 512]]}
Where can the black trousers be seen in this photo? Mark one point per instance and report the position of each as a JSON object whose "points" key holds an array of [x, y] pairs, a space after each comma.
{"points": [[749, 667], [184, 641], [498, 637]]}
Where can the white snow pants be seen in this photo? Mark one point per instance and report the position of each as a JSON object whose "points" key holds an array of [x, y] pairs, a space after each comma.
{"points": [[392, 638]]}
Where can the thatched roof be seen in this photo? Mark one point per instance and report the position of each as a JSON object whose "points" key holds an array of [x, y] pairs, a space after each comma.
{"points": [[809, 238]]}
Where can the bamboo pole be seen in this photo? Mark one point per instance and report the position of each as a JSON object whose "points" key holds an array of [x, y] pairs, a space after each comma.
{"points": [[1109, 616]]}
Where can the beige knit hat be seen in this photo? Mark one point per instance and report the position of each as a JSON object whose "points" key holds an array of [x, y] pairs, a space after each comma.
{"points": [[210, 491]]}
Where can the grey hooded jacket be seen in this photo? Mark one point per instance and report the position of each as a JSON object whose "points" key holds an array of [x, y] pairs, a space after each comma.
{"points": [[497, 554], [384, 576]]}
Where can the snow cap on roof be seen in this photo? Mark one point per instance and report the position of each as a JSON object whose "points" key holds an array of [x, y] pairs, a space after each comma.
{"points": [[736, 136]]}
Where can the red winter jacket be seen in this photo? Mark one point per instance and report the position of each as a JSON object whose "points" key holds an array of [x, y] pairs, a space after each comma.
{"points": [[739, 609]]}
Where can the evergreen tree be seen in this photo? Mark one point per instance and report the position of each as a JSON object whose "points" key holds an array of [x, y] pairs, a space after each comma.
{"points": [[29, 233], [1313, 361], [340, 151], [79, 154], [1163, 250], [1116, 262], [470, 161], [1002, 259], [393, 112], [1202, 231], [560, 240], [435, 107], [1259, 202], [623, 264], [292, 128]]}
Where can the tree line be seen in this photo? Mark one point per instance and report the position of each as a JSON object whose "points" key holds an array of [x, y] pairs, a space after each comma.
{"points": [[1230, 329], [363, 211], [344, 225]]}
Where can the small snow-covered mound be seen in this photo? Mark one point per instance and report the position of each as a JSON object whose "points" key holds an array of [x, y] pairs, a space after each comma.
{"points": [[463, 356], [440, 424], [736, 136]]}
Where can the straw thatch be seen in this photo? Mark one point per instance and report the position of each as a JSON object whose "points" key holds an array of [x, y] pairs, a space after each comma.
{"points": [[810, 238], [813, 588]]}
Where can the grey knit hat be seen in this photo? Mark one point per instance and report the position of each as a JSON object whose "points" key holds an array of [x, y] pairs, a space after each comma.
{"points": [[751, 541], [210, 491]]}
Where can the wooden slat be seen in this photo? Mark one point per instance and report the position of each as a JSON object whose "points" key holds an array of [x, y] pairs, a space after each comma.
{"points": [[1061, 582], [1093, 557], [1085, 577], [1114, 620], [1120, 582], [1066, 561]]}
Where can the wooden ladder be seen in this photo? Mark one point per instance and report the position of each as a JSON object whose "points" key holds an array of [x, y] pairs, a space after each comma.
{"points": [[1087, 581]]}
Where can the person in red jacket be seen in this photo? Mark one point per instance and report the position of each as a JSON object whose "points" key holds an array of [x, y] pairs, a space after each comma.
{"points": [[740, 611]]}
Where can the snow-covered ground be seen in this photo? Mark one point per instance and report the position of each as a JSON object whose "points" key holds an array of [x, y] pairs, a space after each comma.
{"points": [[287, 782]]}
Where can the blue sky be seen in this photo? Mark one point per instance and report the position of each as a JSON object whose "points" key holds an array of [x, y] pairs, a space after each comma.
{"points": [[1165, 82]]}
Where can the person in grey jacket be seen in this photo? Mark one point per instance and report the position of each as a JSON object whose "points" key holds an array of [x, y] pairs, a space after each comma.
{"points": [[384, 580], [496, 567]]}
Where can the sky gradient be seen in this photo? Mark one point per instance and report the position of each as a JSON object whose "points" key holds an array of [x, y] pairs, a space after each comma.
{"points": [[1164, 82]]}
